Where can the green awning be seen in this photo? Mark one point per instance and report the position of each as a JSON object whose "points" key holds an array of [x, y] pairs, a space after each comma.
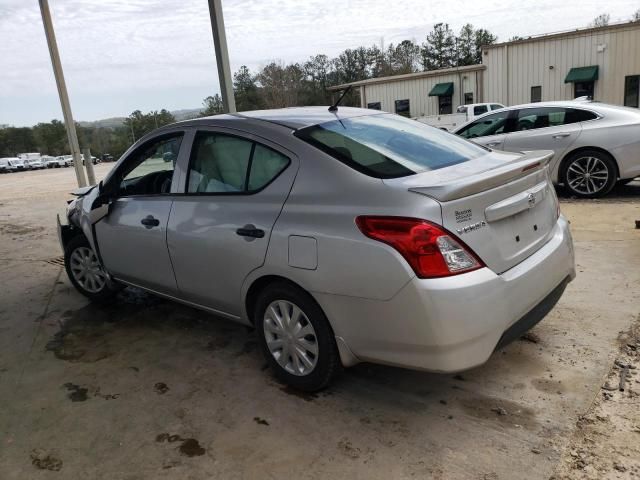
{"points": [[442, 90], [582, 74]]}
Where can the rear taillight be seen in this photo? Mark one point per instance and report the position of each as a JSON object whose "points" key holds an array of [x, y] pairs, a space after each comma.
{"points": [[429, 249]]}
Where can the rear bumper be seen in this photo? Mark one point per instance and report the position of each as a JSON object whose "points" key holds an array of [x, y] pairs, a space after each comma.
{"points": [[452, 324]]}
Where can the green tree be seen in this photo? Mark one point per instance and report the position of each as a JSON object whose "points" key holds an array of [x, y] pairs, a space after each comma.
{"points": [[51, 138], [466, 46], [636, 16], [212, 105], [483, 37], [245, 90], [404, 58], [439, 49], [601, 20]]}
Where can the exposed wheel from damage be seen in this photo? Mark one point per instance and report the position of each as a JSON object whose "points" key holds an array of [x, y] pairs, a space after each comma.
{"points": [[85, 271]]}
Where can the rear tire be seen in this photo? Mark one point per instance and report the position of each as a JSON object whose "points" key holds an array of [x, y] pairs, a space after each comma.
{"points": [[589, 174], [85, 272], [296, 337]]}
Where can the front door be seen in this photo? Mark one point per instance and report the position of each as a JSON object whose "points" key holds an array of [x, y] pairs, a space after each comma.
{"points": [[132, 237], [545, 128], [488, 130], [219, 229]]}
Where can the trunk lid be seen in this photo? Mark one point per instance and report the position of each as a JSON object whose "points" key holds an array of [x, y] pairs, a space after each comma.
{"points": [[503, 206]]}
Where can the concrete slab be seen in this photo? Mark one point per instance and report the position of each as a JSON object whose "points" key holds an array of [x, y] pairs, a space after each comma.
{"points": [[145, 388]]}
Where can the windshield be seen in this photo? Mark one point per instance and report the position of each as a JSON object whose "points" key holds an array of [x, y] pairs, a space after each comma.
{"points": [[389, 146]]}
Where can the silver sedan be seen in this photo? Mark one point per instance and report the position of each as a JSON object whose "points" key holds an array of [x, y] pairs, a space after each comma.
{"points": [[595, 144], [340, 236]]}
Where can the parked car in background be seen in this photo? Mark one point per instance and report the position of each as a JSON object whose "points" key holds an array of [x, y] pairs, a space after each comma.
{"points": [[61, 161], [464, 113], [48, 161], [341, 236], [595, 145], [7, 165], [106, 157], [34, 164], [18, 163]]}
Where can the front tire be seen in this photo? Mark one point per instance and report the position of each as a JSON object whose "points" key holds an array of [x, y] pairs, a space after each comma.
{"points": [[589, 174], [296, 337], [86, 273]]}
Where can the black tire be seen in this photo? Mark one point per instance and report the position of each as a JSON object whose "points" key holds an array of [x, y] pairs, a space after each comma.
{"points": [[110, 287], [576, 161], [327, 361]]}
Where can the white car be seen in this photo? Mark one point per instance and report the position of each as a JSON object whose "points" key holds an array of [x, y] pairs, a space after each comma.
{"points": [[60, 161], [7, 165], [464, 114], [33, 164], [595, 145]]}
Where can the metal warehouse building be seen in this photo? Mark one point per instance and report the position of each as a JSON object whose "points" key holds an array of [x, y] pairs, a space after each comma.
{"points": [[602, 62]]}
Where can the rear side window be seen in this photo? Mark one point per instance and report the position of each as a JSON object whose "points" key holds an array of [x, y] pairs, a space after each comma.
{"points": [[479, 110], [386, 146], [532, 118], [223, 164], [496, 106], [493, 124]]}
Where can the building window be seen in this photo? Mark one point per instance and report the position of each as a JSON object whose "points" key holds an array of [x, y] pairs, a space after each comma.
{"points": [[445, 105], [632, 91], [374, 106], [468, 98], [402, 108], [536, 94], [583, 89]]}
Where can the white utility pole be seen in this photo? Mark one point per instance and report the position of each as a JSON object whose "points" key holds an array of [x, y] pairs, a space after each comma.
{"points": [[62, 93], [222, 56]]}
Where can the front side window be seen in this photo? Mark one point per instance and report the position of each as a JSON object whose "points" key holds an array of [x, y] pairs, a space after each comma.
{"points": [[445, 105], [403, 108], [374, 106], [385, 146], [632, 91], [222, 163], [149, 171], [493, 124]]}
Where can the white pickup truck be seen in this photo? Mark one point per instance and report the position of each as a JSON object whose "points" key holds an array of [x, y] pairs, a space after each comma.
{"points": [[464, 114]]}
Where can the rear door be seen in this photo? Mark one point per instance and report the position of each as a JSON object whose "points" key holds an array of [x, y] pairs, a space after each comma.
{"points": [[489, 130], [544, 128], [219, 229]]}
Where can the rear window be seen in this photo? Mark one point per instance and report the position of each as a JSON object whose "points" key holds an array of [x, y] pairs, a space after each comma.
{"points": [[387, 146]]}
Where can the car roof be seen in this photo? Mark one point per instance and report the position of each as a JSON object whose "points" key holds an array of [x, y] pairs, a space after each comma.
{"points": [[293, 117]]}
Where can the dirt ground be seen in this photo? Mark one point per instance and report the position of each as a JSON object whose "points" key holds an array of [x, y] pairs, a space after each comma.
{"points": [[144, 388]]}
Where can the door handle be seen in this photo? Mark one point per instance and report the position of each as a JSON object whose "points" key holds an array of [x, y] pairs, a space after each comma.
{"points": [[561, 135], [493, 144], [149, 221], [250, 231]]}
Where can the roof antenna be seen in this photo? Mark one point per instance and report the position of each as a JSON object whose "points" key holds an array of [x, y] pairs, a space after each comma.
{"points": [[334, 107]]}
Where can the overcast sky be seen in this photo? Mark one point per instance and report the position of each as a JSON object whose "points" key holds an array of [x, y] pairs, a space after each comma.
{"points": [[122, 55]]}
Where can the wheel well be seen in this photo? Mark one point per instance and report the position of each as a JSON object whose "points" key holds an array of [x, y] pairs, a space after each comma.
{"points": [[260, 284], [563, 164]]}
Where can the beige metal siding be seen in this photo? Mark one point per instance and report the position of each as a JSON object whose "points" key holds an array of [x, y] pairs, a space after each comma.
{"points": [[417, 91], [512, 69]]}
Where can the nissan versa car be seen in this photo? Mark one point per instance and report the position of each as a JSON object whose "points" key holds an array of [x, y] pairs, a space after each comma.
{"points": [[342, 236], [595, 144]]}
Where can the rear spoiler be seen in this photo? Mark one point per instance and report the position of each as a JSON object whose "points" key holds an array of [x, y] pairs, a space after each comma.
{"points": [[480, 182]]}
